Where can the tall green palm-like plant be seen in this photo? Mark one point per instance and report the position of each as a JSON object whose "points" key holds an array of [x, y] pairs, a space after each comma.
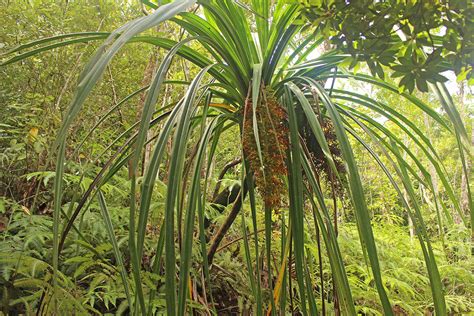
{"points": [[250, 69]]}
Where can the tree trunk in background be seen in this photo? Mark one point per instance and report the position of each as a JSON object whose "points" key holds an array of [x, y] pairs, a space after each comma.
{"points": [[406, 197], [464, 191], [147, 77], [410, 221], [431, 168]]}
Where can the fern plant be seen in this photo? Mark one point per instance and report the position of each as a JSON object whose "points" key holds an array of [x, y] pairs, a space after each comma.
{"points": [[254, 73]]}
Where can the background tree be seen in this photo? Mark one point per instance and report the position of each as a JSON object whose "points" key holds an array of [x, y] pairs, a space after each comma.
{"points": [[417, 40]]}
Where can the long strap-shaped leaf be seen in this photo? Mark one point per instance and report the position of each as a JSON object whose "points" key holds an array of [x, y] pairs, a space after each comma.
{"points": [[174, 176], [118, 255], [121, 157], [390, 87], [233, 26], [314, 124], [435, 279], [329, 235], [403, 123], [461, 138], [389, 112], [422, 233], [44, 48], [136, 248], [357, 197], [296, 198], [247, 255], [52, 38], [428, 180], [262, 8], [281, 33], [106, 116], [257, 79], [193, 201], [425, 173], [186, 52], [58, 191], [96, 66], [213, 40], [330, 240], [148, 109], [87, 80], [253, 208]]}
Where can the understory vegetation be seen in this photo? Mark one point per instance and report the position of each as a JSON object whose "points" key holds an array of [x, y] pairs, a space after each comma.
{"points": [[224, 157]]}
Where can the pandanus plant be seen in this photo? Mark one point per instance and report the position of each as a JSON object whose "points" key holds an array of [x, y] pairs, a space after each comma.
{"points": [[294, 132]]}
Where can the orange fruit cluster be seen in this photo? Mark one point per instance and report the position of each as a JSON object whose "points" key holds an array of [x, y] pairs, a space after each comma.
{"points": [[272, 123]]}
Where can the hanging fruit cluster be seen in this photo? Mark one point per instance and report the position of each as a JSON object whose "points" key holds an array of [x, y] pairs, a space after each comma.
{"points": [[316, 153], [272, 123]]}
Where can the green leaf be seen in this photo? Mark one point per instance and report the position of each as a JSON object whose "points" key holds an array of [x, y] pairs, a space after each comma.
{"points": [[421, 85]]}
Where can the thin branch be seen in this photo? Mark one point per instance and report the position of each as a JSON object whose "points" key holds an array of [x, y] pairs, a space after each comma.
{"points": [[230, 243]]}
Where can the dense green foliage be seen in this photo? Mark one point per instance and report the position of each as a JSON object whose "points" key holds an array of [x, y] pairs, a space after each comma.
{"points": [[418, 40], [208, 159]]}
